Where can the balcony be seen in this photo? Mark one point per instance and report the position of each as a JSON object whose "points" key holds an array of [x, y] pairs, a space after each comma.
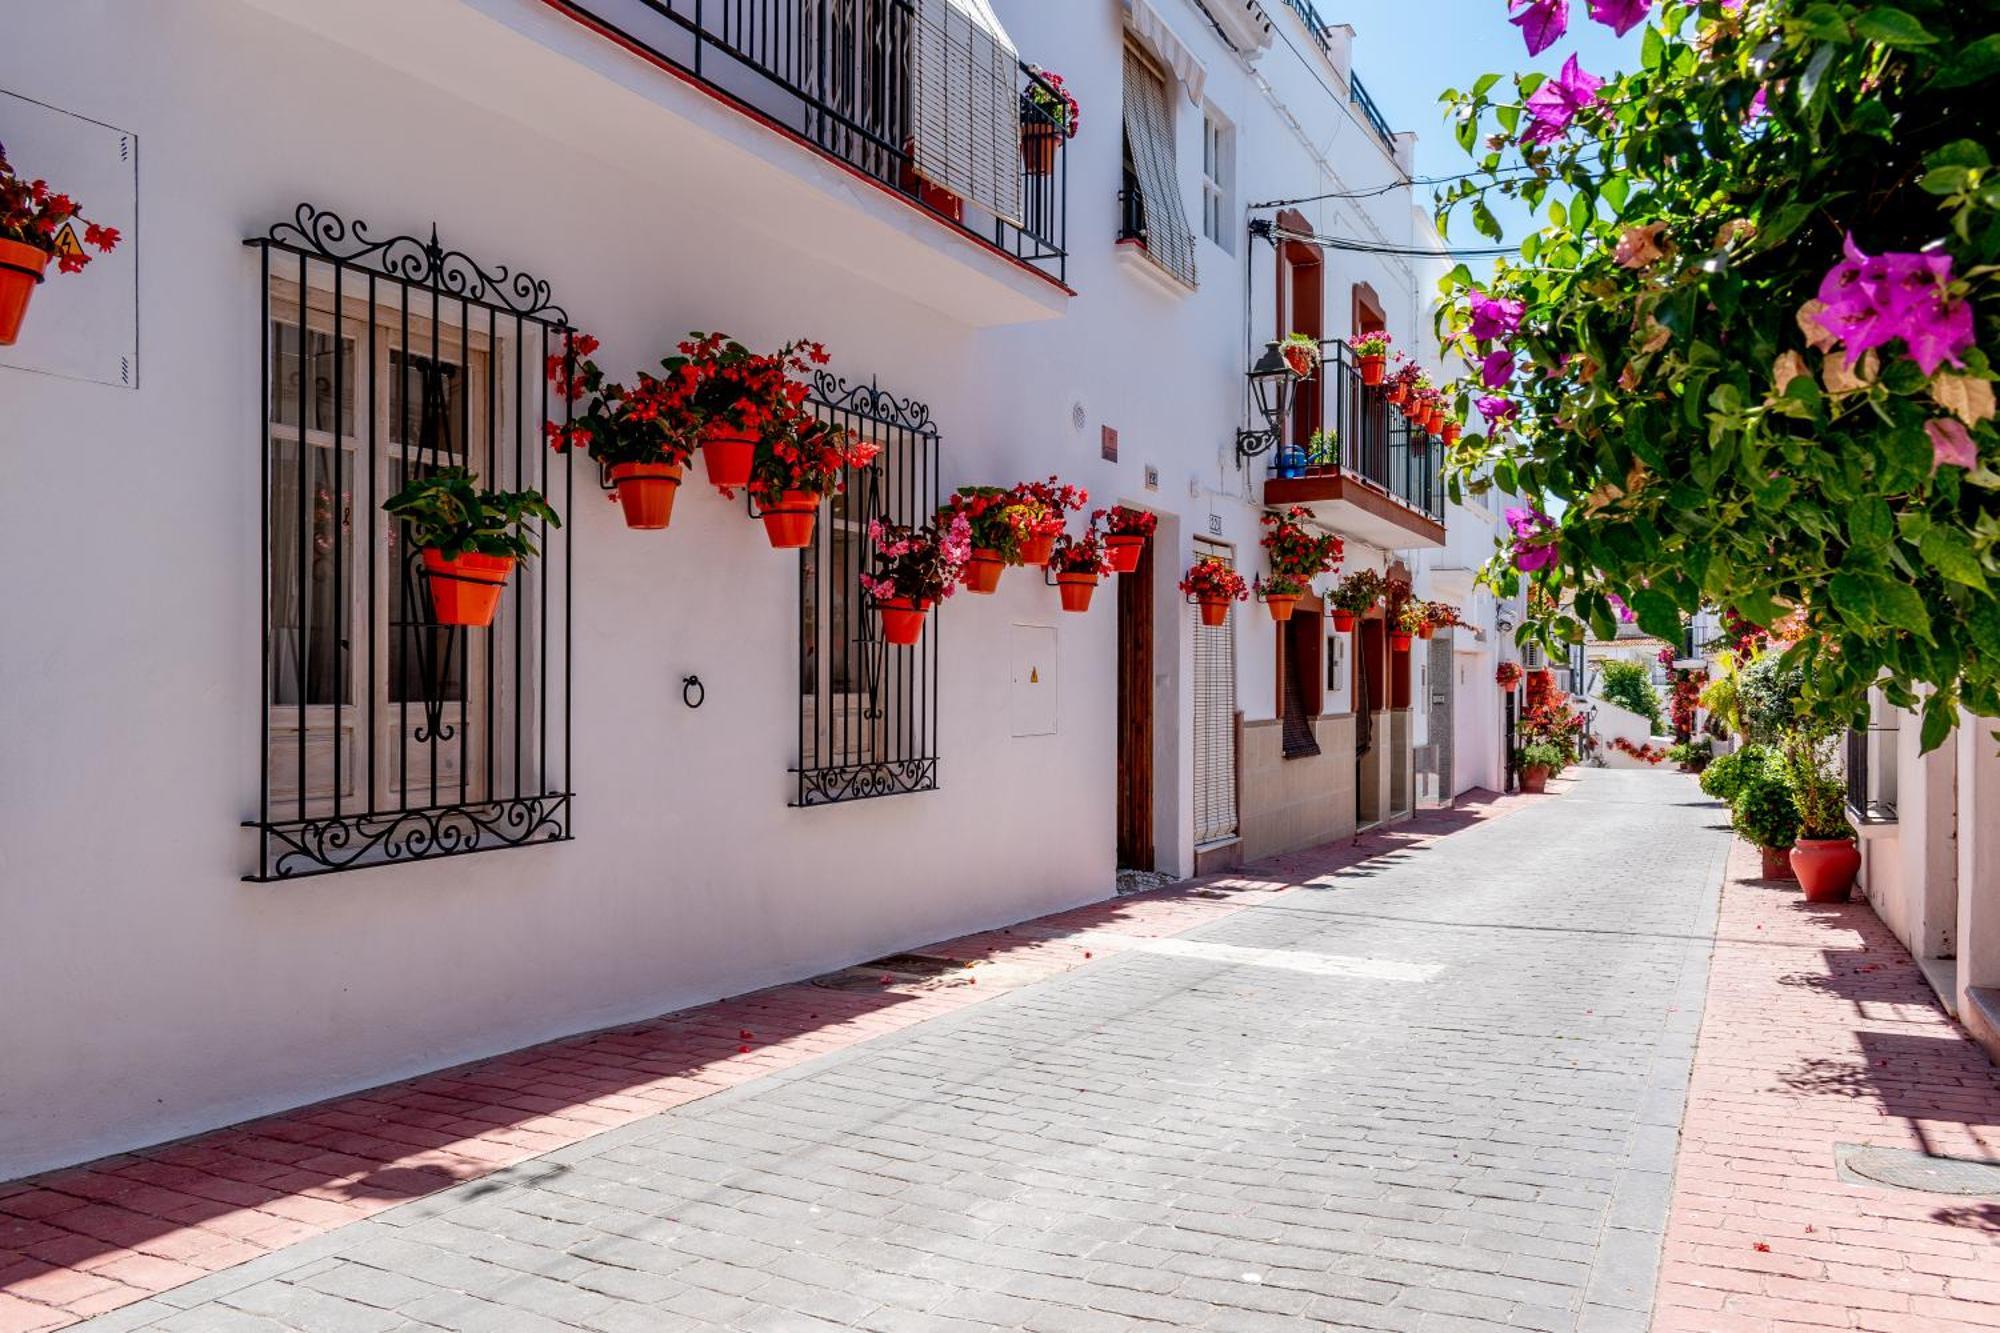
{"points": [[842, 78], [1379, 479]]}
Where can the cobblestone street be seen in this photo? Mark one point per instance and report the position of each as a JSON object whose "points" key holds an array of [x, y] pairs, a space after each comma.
{"points": [[1437, 1089]]}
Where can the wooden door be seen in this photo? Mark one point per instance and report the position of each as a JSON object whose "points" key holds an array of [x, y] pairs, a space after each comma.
{"points": [[1135, 715]]}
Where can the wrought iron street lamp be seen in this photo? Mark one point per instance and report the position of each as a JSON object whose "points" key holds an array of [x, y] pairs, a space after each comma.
{"points": [[1271, 383]]}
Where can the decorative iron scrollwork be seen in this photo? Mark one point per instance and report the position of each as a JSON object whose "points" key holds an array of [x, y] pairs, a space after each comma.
{"points": [[872, 401], [320, 846], [859, 782], [409, 259]]}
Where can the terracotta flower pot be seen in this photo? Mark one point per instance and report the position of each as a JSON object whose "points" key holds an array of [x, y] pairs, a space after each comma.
{"points": [[982, 572], [902, 620], [1214, 611], [1826, 868], [727, 454], [1399, 641], [1036, 550], [646, 491], [1281, 604], [1343, 621], [21, 268], [1426, 632], [1398, 396], [789, 523], [1777, 862], [466, 591], [1451, 433], [1076, 590], [1371, 370], [1535, 779], [1122, 551], [1038, 149]]}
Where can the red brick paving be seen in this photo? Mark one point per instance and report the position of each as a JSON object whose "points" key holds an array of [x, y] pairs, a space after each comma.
{"points": [[82, 1241], [1820, 1030]]}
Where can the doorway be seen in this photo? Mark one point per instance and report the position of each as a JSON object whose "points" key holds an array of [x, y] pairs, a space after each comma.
{"points": [[1135, 715]]}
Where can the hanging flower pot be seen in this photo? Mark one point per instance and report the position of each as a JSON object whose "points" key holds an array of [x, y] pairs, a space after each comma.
{"points": [[1076, 590], [1399, 641], [1398, 395], [466, 591], [646, 492], [1343, 621], [1451, 433], [1426, 632], [1214, 611], [1777, 862], [1038, 149], [902, 619], [789, 522], [982, 572], [21, 267], [1122, 550], [1036, 549], [727, 454], [1371, 369], [1281, 604], [1826, 868]]}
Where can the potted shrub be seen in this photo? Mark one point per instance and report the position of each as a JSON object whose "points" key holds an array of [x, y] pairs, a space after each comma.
{"points": [[1725, 777], [1412, 621], [914, 570], [1535, 761], [1297, 555], [1767, 817], [992, 523], [1078, 563], [1126, 532], [792, 474], [1692, 756], [1354, 596], [733, 400], [1372, 352], [1402, 381], [32, 216], [1049, 115], [1301, 354], [629, 432], [1507, 675], [1038, 514], [468, 539], [1213, 585], [1824, 856]]}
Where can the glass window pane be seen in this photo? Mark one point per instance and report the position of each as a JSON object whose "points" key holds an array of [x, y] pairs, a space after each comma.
{"points": [[312, 566], [317, 378]]}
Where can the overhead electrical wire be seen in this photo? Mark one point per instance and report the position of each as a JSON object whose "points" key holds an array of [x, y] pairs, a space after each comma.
{"points": [[1355, 245]]}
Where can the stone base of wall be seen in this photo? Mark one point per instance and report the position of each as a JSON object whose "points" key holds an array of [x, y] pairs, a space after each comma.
{"points": [[1288, 804]]}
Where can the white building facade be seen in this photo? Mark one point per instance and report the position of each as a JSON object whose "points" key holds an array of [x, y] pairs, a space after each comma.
{"points": [[667, 733]]}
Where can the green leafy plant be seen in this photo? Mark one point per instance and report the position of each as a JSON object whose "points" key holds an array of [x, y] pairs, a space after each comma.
{"points": [[1763, 811], [1725, 777], [1808, 760], [1767, 698], [1541, 754], [446, 510], [1358, 592], [1628, 685]]}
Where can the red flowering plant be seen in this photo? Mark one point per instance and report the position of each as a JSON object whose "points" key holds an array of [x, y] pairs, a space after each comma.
{"points": [[1047, 101], [1646, 754], [35, 215], [610, 422], [1552, 722], [1296, 553], [1358, 592], [1402, 380], [1301, 354], [1210, 579], [1039, 508], [810, 458], [1686, 699], [1079, 555], [1442, 615], [918, 565], [992, 517], [1375, 343], [1124, 521], [1507, 675], [1395, 596], [724, 385]]}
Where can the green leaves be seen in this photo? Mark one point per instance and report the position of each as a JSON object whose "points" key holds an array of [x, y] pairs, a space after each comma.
{"points": [[1951, 555], [1892, 27]]}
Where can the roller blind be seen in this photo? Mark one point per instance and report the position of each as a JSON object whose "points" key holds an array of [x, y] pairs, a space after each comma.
{"points": [[966, 108], [1149, 136], [1214, 727]]}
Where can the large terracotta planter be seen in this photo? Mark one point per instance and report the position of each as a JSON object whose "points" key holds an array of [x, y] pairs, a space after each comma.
{"points": [[1037, 550], [1777, 862], [1122, 551], [1038, 149], [466, 591], [789, 522], [21, 268], [982, 572], [1826, 868], [1371, 370], [1535, 779], [1282, 604], [1076, 590], [727, 454], [1399, 641], [1214, 611], [646, 492], [1343, 621], [902, 620]]}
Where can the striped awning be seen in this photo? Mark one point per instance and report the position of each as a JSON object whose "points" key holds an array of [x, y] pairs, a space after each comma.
{"points": [[1166, 46]]}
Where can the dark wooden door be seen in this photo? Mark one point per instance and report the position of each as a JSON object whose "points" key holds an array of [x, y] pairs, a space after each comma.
{"points": [[1135, 715]]}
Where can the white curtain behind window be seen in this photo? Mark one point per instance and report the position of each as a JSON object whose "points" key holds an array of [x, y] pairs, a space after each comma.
{"points": [[966, 109]]}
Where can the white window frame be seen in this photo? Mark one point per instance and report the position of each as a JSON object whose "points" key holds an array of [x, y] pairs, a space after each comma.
{"points": [[1218, 179]]}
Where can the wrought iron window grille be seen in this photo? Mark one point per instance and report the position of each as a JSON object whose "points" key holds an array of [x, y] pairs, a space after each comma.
{"points": [[867, 710], [386, 737]]}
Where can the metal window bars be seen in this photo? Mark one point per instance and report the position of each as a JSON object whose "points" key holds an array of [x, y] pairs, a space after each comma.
{"points": [[1372, 441], [384, 736], [868, 718]]}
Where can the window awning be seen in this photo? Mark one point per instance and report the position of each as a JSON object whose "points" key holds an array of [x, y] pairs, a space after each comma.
{"points": [[966, 105], [1167, 47]]}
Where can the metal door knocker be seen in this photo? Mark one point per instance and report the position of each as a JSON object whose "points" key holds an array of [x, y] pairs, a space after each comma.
{"points": [[693, 692]]}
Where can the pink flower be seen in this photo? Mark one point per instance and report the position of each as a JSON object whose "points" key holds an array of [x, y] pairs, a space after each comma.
{"points": [[1951, 443], [1624, 612], [1497, 411], [1535, 546], [1555, 104], [1621, 16], [1497, 370], [1541, 22], [1869, 300], [1493, 318]]}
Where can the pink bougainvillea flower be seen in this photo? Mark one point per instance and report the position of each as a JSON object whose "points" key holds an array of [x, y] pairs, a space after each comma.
{"points": [[1759, 108], [1542, 22], [1497, 411], [1951, 443], [1493, 318], [1867, 300], [1535, 546], [1497, 370], [1626, 614], [1555, 104], [1621, 16]]}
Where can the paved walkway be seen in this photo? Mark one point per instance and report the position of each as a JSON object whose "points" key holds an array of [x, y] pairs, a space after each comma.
{"points": [[1820, 1032], [1436, 1089]]}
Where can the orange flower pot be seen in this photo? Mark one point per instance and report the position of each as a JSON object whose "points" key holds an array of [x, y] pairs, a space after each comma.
{"points": [[1826, 868], [1343, 621], [1777, 862], [466, 591], [1451, 433], [1534, 779], [727, 455], [1038, 149], [1214, 611], [21, 268], [1037, 550], [902, 620], [982, 572], [646, 491], [1399, 641], [1399, 396], [1426, 631], [1371, 370], [1281, 604], [1076, 590], [789, 523], [1122, 551]]}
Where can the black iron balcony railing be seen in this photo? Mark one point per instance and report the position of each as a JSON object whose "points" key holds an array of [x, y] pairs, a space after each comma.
{"points": [[1358, 93], [1342, 427], [840, 75]]}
